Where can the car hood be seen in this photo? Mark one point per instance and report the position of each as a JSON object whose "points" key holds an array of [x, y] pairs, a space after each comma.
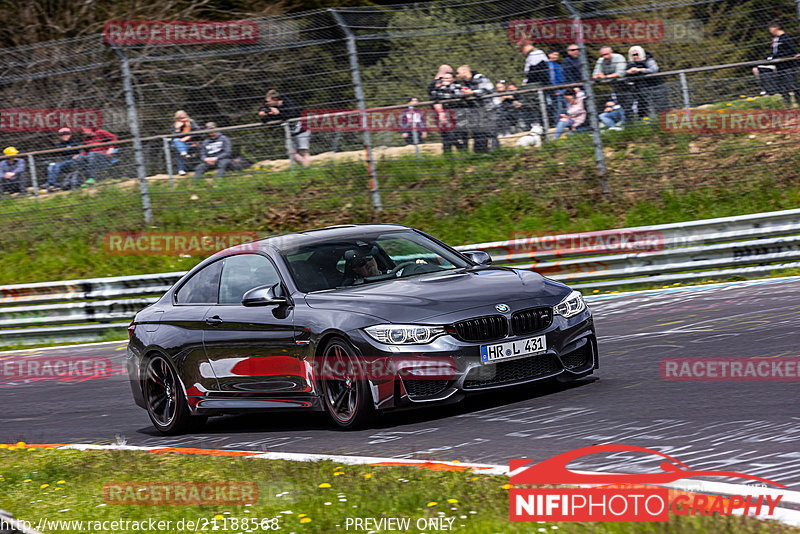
{"points": [[442, 298]]}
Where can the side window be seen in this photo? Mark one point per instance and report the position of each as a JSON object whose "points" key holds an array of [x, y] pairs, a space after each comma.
{"points": [[202, 287], [242, 273]]}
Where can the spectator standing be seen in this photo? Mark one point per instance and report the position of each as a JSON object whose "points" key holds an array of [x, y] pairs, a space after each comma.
{"points": [[554, 97], [97, 159], [68, 161], [282, 108], [183, 124], [612, 67], [12, 172], [612, 116], [649, 93], [453, 122], [537, 74], [412, 123], [481, 116], [519, 110], [215, 152], [575, 114], [781, 77], [571, 66]]}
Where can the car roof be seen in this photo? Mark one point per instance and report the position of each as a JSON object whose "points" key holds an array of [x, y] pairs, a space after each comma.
{"points": [[310, 237]]}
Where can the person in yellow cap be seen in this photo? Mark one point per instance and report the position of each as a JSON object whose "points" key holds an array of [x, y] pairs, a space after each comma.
{"points": [[12, 172]]}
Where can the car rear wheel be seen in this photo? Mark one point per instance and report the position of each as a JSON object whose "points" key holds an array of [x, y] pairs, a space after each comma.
{"points": [[344, 386], [166, 403]]}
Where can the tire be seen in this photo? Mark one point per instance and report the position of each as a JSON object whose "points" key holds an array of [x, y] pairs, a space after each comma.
{"points": [[166, 403], [345, 391]]}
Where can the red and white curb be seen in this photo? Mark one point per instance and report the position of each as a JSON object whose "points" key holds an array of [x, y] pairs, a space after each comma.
{"points": [[784, 515]]}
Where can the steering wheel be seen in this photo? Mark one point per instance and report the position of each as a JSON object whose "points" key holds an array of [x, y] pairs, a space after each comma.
{"points": [[399, 267]]}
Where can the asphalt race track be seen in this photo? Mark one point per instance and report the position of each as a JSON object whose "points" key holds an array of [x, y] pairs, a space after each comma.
{"points": [[746, 426]]}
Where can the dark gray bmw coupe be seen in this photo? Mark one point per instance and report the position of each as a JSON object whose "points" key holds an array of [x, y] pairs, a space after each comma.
{"points": [[352, 320]]}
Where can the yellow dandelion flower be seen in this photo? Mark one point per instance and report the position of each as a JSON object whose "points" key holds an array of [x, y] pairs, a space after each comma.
{"points": [[306, 520], [302, 515], [507, 486], [27, 480], [61, 482], [741, 96], [31, 449], [324, 485], [338, 467], [43, 486], [337, 473], [452, 501], [646, 119], [728, 104], [474, 478], [368, 475], [596, 291], [219, 517], [432, 503]]}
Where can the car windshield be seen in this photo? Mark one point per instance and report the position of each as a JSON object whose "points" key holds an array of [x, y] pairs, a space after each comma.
{"points": [[345, 262]]}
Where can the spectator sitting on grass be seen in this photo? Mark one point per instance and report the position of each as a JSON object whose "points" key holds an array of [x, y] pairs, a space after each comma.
{"points": [[215, 152], [612, 116], [575, 114], [12, 172], [185, 125], [68, 159], [96, 159]]}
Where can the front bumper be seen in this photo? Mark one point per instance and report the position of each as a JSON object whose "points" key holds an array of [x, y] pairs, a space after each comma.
{"points": [[421, 378]]}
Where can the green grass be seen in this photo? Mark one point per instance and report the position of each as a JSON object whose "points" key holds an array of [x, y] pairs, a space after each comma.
{"points": [[653, 177], [68, 485]]}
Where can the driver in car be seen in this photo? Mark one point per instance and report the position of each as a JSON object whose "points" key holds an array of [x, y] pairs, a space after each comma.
{"points": [[362, 265]]}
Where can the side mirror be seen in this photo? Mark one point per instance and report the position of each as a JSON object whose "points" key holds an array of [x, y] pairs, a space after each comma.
{"points": [[478, 256], [264, 296]]}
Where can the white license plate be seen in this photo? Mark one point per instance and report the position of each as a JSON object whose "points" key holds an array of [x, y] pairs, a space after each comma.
{"points": [[513, 349]]}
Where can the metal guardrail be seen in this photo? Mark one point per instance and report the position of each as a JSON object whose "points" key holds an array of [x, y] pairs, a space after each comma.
{"points": [[746, 245]]}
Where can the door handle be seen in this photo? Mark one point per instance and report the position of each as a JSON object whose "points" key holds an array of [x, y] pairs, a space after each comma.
{"points": [[214, 321]]}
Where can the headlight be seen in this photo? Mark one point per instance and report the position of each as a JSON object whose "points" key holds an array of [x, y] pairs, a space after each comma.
{"points": [[404, 334], [572, 304]]}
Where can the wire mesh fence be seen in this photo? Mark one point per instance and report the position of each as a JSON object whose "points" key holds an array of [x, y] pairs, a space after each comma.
{"points": [[327, 61]]}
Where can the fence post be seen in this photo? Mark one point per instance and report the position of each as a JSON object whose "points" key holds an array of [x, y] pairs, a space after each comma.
{"points": [[133, 121], [34, 182], [168, 160], [414, 133], [287, 133], [685, 92], [599, 157], [545, 114], [352, 52]]}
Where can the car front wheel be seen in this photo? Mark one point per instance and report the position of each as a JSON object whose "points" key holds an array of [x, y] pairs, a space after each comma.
{"points": [[344, 386]]}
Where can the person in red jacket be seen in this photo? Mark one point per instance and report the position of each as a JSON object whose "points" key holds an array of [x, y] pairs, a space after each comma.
{"points": [[94, 160]]}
